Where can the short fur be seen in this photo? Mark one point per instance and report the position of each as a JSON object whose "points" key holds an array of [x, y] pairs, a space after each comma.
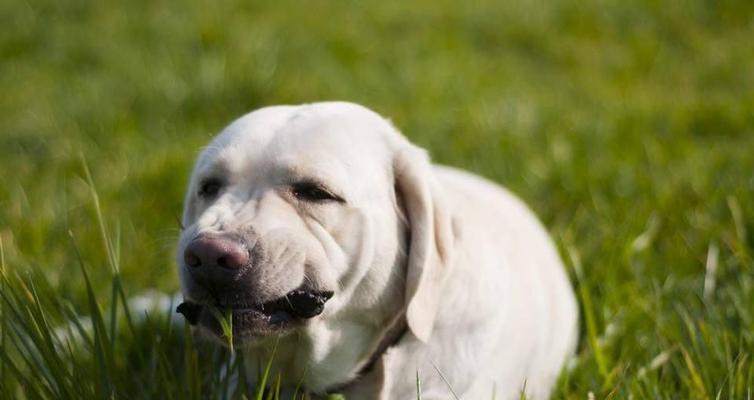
{"points": [[482, 288]]}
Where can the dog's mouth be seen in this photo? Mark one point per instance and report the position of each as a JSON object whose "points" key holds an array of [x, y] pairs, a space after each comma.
{"points": [[250, 320]]}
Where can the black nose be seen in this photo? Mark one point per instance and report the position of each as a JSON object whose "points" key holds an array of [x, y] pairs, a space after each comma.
{"points": [[214, 252]]}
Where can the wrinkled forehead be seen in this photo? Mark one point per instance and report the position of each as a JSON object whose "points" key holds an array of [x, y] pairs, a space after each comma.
{"points": [[335, 139]]}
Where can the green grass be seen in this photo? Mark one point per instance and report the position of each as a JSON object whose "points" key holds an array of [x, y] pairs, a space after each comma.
{"points": [[628, 126]]}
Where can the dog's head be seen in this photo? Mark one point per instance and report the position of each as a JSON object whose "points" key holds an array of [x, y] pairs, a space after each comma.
{"points": [[301, 213]]}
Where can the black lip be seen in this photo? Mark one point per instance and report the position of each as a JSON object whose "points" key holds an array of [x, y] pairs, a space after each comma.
{"points": [[258, 319], [190, 311]]}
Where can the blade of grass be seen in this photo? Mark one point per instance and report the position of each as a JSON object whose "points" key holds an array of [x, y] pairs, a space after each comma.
{"points": [[275, 389], [24, 332], [418, 386], [18, 340], [113, 314], [300, 383], [444, 379], [111, 257], [166, 374], [243, 385], [522, 392], [696, 379], [104, 363], [74, 321], [225, 319], [263, 382], [591, 323], [4, 382], [29, 387], [191, 365], [47, 346]]}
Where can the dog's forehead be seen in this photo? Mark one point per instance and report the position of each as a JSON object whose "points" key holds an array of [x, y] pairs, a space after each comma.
{"points": [[315, 136], [348, 138], [244, 137]]}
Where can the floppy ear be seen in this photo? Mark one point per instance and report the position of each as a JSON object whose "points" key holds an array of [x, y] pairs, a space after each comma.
{"points": [[431, 238]]}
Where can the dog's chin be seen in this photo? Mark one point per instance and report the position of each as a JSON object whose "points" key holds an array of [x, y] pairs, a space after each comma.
{"points": [[252, 323]]}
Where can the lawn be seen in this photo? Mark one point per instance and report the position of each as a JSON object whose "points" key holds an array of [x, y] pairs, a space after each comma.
{"points": [[627, 125]]}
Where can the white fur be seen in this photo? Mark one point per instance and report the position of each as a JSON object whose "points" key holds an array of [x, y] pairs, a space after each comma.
{"points": [[486, 298]]}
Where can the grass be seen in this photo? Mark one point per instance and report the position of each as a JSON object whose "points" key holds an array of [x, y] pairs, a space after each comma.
{"points": [[628, 126]]}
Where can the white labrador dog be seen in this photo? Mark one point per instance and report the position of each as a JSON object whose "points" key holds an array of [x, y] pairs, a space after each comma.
{"points": [[322, 228]]}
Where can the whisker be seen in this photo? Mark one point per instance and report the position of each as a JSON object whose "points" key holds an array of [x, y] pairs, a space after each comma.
{"points": [[180, 223]]}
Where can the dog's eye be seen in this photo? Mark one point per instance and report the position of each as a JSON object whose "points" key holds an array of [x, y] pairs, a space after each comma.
{"points": [[210, 188], [311, 191]]}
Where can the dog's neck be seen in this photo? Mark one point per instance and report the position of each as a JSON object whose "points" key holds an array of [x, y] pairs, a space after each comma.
{"points": [[291, 351], [395, 331]]}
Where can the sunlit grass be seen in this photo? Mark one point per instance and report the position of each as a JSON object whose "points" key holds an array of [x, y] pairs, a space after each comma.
{"points": [[627, 126]]}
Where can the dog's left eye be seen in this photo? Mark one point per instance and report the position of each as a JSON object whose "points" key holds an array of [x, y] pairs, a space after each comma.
{"points": [[311, 191], [210, 188]]}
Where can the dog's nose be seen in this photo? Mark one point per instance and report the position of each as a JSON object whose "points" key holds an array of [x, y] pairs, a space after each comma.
{"points": [[208, 252]]}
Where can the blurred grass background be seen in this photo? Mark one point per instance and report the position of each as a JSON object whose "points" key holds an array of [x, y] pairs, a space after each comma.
{"points": [[627, 125]]}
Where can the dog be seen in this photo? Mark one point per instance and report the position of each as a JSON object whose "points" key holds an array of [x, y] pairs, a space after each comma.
{"points": [[322, 232]]}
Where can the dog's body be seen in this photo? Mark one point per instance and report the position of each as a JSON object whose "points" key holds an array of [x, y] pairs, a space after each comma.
{"points": [[459, 262]]}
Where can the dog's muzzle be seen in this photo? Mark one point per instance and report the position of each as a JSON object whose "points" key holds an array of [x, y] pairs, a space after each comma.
{"points": [[221, 268]]}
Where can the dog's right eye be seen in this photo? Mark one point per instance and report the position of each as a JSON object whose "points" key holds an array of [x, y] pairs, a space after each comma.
{"points": [[314, 192], [210, 188]]}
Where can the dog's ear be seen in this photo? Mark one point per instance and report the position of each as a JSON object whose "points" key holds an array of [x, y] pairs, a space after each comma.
{"points": [[431, 237]]}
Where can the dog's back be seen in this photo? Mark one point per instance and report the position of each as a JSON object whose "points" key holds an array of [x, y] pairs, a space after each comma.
{"points": [[509, 316]]}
